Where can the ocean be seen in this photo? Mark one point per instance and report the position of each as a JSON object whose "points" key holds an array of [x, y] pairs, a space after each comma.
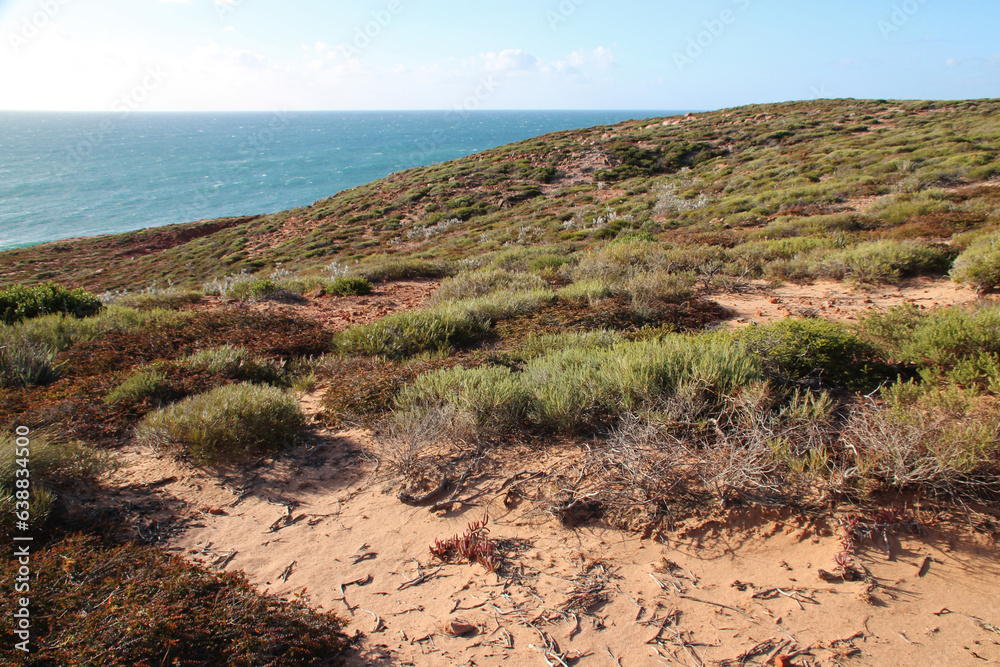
{"points": [[65, 175]]}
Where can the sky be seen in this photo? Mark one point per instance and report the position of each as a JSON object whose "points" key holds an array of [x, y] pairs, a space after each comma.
{"points": [[174, 55]]}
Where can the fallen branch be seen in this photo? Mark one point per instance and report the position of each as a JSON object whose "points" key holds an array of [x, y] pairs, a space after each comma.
{"points": [[719, 604], [408, 499], [419, 580]]}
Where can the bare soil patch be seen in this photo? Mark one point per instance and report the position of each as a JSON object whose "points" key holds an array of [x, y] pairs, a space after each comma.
{"points": [[727, 587]]}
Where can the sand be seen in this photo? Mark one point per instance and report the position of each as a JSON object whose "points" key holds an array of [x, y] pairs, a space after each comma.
{"points": [[708, 589], [740, 586]]}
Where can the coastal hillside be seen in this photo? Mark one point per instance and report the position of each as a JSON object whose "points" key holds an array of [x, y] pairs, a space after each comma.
{"points": [[888, 170], [721, 388]]}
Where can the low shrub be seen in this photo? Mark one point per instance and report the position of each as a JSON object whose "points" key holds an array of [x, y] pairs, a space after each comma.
{"points": [[651, 289], [25, 362], [169, 298], [815, 351], [472, 284], [491, 394], [960, 344], [384, 268], [405, 334], [225, 423], [591, 290], [59, 331], [914, 445], [348, 286], [504, 305], [979, 265], [254, 290], [362, 391], [144, 384], [578, 387], [20, 302], [54, 462], [237, 363], [132, 604]]}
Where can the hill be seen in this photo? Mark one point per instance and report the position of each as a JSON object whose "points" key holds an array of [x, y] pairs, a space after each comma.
{"points": [[721, 388], [722, 178]]}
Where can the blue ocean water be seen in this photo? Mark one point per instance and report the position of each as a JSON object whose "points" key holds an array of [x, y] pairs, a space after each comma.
{"points": [[66, 175]]}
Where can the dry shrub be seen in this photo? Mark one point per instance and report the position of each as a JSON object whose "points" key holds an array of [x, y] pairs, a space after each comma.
{"points": [[414, 445], [911, 446]]}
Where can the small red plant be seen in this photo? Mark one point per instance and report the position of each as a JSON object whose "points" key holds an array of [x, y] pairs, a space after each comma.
{"points": [[880, 523], [473, 546]]}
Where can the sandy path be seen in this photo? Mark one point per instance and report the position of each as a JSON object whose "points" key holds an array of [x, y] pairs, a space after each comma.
{"points": [[318, 520], [834, 300]]}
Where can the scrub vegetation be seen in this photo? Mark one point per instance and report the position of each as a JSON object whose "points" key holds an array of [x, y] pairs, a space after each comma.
{"points": [[575, 281]]}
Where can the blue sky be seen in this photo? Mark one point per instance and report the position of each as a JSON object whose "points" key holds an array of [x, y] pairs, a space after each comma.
{"points": [[426, 54]]}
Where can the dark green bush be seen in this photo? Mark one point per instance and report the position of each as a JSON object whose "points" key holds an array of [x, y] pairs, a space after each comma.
{"points": [[251, 290], [348, 286], [20, 302], [815, 351]]}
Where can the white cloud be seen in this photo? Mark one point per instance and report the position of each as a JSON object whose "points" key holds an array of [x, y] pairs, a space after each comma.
{"points": [[953, 62], [510, 60]]}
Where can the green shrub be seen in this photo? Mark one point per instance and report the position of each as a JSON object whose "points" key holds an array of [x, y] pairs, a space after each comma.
{"points": [[143, 384], [814, 350], [537, 346], [152, 298], [889, 261], [616, 262], [876, 262], [253, 290], [348, 286], [471, 284], [504, 305], [237, 363], [384, 268], [979, 265], [649, 290], [959, 344], [576, 388], [405, 334], [20, 302], [53, 463], [25, 362], [225, 423], [492, 394], [577, 382]]}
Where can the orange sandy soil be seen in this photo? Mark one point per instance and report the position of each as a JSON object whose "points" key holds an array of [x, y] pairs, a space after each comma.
{"points": [[722, 586], [734, 587]]}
